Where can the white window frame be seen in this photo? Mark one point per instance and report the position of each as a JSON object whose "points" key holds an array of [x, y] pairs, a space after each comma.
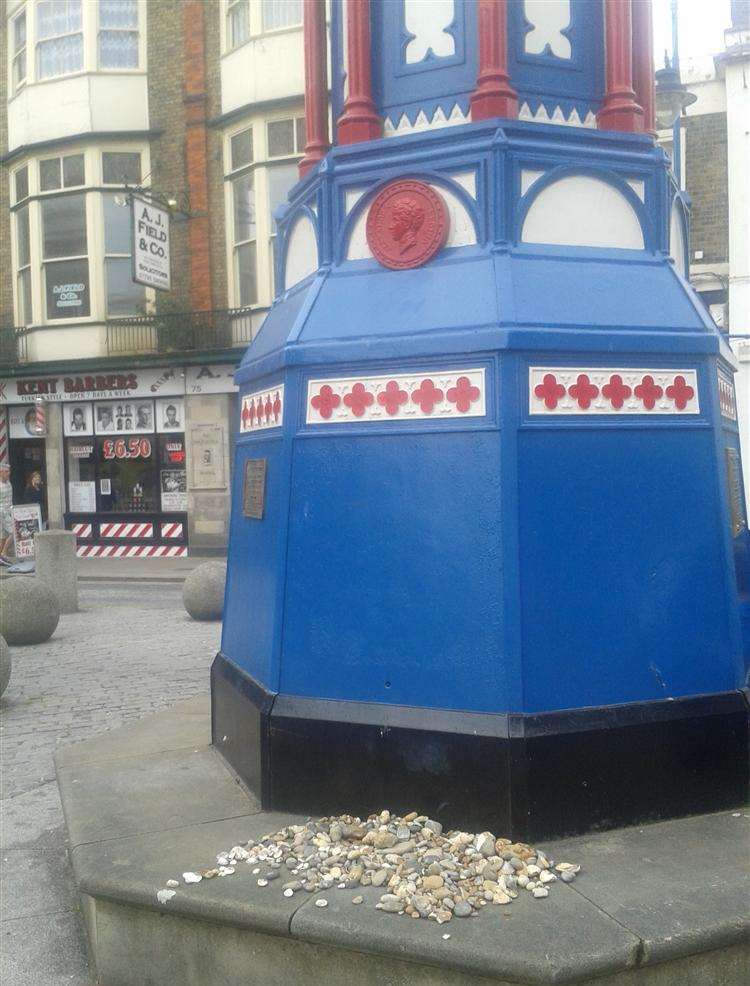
{"points": [[13, 86], [93, 190], [90, 30], [264, 233], [139, 32], [53, 37], [256, 28]]}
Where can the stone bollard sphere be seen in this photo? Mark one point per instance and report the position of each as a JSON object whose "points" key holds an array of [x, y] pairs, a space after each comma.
{"points": [[203, 591], [29, 611], [5, 665]]}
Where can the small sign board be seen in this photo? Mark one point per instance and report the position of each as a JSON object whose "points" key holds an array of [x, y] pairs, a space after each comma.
{"points": [[150, 230], [734, 486], [254, 492], [27, 520]]}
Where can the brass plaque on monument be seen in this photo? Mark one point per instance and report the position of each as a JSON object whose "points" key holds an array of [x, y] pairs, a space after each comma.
{"points": [[254, 491], [734, 485]]}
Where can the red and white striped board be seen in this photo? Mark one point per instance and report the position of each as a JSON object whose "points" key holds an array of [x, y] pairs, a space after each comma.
{"points": [[171, 530], [126, 530], [81, 530], [131, 551], [3, 436]]}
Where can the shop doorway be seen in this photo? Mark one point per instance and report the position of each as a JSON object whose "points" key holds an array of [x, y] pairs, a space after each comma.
{"points": [[28, 472]]}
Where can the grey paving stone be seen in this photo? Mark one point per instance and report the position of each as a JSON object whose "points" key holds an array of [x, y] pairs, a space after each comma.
{"points": [[106, 801], [36, 881], [185, 725], [45, 951], [134, 869], [559, 939], [33, 819], [681, 886]]}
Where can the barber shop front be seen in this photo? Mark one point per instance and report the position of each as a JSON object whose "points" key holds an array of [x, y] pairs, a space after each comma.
{"points": [[134, 462]]}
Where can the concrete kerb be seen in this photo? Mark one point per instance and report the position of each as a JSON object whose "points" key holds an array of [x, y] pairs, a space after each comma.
{"points": [[575, 936]]}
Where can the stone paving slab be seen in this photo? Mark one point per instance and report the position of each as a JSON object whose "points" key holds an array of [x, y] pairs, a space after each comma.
{"points": [[148, 793], [675, 884], [603, 927], [47, 949], [559, 939], [187, 726], [134, 869], [36, 882]]}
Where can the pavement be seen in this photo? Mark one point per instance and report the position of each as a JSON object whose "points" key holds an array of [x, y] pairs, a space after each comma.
{"points": [[654, 905], [128, 652]]}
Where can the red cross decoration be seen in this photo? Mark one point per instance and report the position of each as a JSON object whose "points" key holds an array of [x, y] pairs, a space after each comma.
{"points": [[616, 392], [583, 391], [427, 396], [550, 391], [358, 399], [392, 397], [680, 392], [463, 394], [325, 401], [648, 392]]}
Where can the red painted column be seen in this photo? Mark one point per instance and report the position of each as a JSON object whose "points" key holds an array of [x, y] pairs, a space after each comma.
{"points": [[643, 61], [619, 110], [359, 121], [494, 95], [316, 85]]}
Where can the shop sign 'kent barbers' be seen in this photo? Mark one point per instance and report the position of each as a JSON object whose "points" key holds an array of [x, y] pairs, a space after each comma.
{"points": [[150, 226]]}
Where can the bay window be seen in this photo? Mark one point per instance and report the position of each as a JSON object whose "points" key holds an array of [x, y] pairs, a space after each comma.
{"points": [[72, 236], [286, 137], [281, 13], [118, 33], [59, 31], [18, 50]]}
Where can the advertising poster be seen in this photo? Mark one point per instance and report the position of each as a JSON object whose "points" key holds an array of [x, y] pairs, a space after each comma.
{"points": [[173, 489], [170, 414], [82, 497], [22, 422], [78, 419], [27, 520], [207, 457], [124, 417]]}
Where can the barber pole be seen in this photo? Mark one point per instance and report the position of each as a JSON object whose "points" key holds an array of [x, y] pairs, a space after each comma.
{"points": [[40, 422]]}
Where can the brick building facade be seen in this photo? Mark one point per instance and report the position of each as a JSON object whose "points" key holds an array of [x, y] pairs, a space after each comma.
{"points": [[200, 105]]}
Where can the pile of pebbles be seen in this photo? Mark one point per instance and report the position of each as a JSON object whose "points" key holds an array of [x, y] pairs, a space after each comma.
{"points": [[423, 872]]}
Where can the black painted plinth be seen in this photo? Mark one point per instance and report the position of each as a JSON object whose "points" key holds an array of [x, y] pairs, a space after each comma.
{"points": [[525, 776]]}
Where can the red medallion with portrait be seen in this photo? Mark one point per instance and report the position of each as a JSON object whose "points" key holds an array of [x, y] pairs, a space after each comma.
{"points": [[407, 224]]}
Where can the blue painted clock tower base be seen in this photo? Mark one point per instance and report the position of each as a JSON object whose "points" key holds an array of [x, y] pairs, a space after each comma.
{"points": [[521, 611]]}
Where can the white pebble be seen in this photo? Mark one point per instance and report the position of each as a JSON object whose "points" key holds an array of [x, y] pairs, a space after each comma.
{"points": [[256, 871], [446, 937], [321, 902], [540, 892], [164, 895], [289, 892], [173, 883], [262, 883], [192, 877]]}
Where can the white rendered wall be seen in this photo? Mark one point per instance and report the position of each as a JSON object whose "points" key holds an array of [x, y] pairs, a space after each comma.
{"points": [[77, 104], [267, 67], [582, 211]]}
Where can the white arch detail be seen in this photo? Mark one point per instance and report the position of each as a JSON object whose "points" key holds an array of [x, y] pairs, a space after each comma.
{"points": [[579, 210], [301, 252]]}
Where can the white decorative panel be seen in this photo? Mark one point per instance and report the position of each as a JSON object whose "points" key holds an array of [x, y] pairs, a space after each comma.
{"points": [[582, 211], [428, 22], [727, 399], [549, 19], [301, 252], [263, 409], [397, 397], [677, 239], [528, 177], [422, 122], [467, 180], [573, 119], [597, 390]]}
